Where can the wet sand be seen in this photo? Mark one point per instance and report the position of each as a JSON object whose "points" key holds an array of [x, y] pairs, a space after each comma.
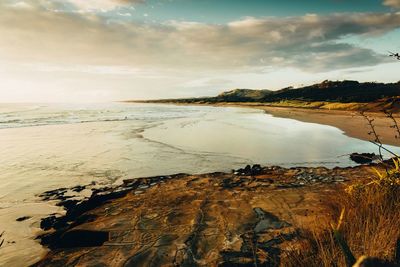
{"points": [[350, 122]]}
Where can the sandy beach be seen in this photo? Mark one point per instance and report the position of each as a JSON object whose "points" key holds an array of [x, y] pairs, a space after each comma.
{"points": [[350, 122]]}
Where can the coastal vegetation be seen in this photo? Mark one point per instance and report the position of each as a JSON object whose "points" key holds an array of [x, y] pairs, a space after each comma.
{"points": [[330, 95], [367, 212]]}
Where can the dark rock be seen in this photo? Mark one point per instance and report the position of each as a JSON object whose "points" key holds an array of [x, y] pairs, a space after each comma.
{"points": [[279, 239], [48, 223], [53, 194], [228, 183], [78, 188], [236, 259], [363, 158], [247, 168], [68, 204], [24, 218], [81, 238], [267, 221], [75, 211], [250, 170], [84, 219], [256, 169]]}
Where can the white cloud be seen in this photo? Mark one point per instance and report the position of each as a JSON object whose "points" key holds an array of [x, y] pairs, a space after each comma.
{"points": [[103, 5], [73, 5]]}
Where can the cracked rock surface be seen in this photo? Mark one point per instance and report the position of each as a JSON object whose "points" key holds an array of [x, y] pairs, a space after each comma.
{"points": [[244, 218]]}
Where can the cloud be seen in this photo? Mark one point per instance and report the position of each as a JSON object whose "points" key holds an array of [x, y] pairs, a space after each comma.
{"points": [[104, 5], [74, 5], [313, 43], [308, 42], [392, 3]]}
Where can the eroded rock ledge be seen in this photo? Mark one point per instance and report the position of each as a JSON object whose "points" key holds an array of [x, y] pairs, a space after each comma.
{"points": [[249, 217]]}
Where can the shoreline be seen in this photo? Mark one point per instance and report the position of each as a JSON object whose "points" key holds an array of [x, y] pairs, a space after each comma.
{"points": [[349, 121]]}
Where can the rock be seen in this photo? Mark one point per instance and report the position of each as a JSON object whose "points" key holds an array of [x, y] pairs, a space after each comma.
{"points": [[24, 218], [249, 170], [80, 238], [48, 223], [78, 188], [68, 204], [53, 194], [363, 158], [267, 221], [213, 219], [256, 169]]}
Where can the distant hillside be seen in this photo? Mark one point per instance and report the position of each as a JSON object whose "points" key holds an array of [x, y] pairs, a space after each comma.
{"points": [[313, 96], [327, 91], [343, 92], [244, 95]]}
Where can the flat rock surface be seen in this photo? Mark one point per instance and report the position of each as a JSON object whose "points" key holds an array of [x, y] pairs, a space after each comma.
{"points": [[243, 218]]}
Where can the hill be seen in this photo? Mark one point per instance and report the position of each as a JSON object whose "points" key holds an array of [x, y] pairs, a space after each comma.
{"points": [[244, 95], [345, 95], [337, 91]]}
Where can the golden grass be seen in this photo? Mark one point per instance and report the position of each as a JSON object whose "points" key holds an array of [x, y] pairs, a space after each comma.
{"points": [[319, 105], [369, 224]]}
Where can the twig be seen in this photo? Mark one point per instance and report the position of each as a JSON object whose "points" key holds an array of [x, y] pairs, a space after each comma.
{"points": [[373, 132], [387, 150], [395, 125]]}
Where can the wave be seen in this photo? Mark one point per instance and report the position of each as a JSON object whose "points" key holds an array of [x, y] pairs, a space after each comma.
{"points": [[22, 123], [16, 116]]}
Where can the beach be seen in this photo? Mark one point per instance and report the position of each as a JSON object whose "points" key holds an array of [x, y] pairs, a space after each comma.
{"points": [[350, 122], [46, 148]]}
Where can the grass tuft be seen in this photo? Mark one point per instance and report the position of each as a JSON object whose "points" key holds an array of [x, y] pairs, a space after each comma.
{"points": [[368, 216]]}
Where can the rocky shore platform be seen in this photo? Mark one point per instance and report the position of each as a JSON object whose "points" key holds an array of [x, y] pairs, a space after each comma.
{"points": [[248, 217]]}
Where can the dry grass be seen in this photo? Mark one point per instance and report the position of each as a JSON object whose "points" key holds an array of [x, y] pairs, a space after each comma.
{"points": [[319, 105], [370, 223], [376, 106]]}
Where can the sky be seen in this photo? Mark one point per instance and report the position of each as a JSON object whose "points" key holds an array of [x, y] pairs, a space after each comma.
{"points": [[107, 50]]}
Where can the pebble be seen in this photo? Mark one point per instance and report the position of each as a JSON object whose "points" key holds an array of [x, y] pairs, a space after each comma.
{"points": [[307, 176], [143, 186]]}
